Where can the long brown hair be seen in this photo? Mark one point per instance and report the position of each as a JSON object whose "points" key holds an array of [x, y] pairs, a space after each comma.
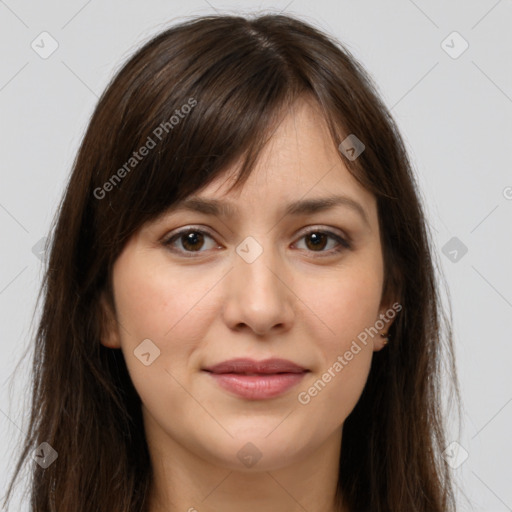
{"points": [[199, 97]]}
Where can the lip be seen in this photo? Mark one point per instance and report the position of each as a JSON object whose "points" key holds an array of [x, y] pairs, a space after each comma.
{"points": [[257, 380]]}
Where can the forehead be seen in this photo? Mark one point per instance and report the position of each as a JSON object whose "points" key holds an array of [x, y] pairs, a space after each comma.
{"points": [[299, 165]]}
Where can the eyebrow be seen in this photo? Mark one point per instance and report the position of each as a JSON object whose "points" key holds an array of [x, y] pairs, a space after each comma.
{"points": [[301, 207]]}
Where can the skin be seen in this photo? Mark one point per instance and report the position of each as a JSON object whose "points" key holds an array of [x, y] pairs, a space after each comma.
{"points": [[296, 301]]}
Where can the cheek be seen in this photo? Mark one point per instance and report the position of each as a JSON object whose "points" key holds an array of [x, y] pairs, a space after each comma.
{"points": [[170, 307], [158, 302], [346, 302]]}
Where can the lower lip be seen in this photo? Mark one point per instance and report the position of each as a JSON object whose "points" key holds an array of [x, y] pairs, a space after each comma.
{"points": [[257, 387]]}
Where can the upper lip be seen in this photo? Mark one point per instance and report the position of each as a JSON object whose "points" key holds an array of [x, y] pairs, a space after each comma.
{"points": [[266, 366]]}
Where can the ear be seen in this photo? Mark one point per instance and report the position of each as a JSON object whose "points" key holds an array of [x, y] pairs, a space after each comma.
{"points": [[109, 336], [390, 305], [383, 323]]}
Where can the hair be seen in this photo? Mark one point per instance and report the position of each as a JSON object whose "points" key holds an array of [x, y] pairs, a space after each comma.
{"points": [[237, 76]]}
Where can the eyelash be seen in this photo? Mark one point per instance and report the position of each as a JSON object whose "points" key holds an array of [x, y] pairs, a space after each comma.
{"points": [[343, 244]]}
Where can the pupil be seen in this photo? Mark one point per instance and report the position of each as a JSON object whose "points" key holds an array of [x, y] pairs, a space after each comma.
{"points": [[191, 239], [318, 239]]}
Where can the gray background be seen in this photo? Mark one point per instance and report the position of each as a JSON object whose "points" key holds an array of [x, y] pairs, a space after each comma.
{"points": [[454, 113]]}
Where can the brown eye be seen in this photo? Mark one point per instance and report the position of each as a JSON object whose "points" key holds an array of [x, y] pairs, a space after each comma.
{"points": [[189, 241], [192, 241], [317, 241]]}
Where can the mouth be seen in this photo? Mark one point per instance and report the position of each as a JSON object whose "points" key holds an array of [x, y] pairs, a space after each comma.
{"points": [[257, 380]]}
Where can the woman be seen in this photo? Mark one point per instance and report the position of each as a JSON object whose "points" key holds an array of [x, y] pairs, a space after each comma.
{"points": [[240, 308]]}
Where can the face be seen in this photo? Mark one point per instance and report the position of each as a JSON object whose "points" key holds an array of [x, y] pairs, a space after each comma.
{"points": [[255, 281]]}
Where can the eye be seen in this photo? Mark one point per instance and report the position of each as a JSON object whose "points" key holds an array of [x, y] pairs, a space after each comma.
{"points": [[190, 239], [316, 240]]}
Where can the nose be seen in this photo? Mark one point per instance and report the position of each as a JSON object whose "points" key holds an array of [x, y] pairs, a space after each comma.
{"points": [[258, 297]]}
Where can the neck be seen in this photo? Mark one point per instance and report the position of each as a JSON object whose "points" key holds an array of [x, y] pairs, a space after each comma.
{"points": [[184, 482]]}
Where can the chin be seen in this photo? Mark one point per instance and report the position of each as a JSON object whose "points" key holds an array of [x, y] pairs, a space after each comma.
{"points": [[260, 448]]}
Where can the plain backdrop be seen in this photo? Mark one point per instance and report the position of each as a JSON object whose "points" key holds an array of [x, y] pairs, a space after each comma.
{"points": [[452, 104]]}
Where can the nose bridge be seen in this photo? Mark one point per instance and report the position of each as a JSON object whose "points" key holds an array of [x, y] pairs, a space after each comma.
{"points": [[254, 268], [256, 296]]}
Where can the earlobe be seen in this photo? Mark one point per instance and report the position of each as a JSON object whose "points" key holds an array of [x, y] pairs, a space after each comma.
{"points": [[384, 324], [385, 338], [109, 333], [382, 340]]}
